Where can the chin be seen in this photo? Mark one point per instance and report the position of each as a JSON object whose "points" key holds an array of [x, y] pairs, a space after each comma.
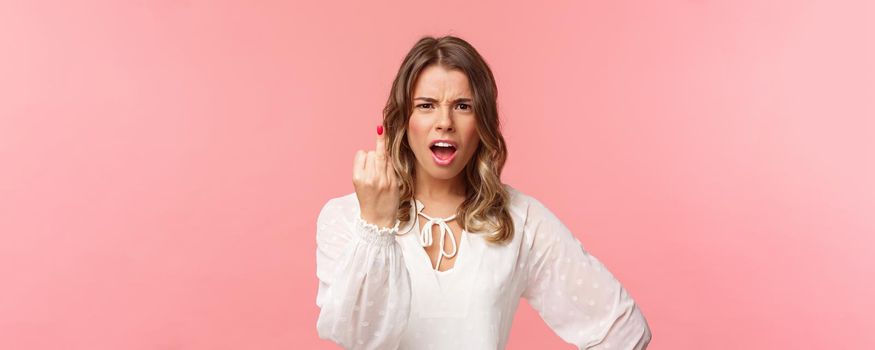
{"points": [[443, 174]]}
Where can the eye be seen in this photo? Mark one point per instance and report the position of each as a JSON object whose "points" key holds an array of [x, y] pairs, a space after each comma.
{"points": [[423, 104], [467, 106]]}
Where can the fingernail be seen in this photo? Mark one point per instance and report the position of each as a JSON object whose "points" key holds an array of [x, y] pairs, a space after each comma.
{"points": [[379, 129]]}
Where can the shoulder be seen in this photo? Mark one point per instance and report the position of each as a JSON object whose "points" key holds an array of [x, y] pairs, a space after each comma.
{"points": [[535, 218], [340, 207], [525, 205], [336, 220]]}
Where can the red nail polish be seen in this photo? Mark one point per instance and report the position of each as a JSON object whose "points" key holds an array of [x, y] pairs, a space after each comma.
{"points": [[379, 129]]}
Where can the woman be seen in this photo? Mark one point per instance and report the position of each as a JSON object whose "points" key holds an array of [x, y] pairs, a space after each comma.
{"points": [[432, 251]]}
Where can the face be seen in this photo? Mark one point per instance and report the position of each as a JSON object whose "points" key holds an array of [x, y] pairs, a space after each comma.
{"points": [[442, 110]]}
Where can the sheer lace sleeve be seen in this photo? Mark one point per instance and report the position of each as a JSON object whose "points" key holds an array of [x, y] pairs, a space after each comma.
{"points": [[364, 287], [575, 294]]}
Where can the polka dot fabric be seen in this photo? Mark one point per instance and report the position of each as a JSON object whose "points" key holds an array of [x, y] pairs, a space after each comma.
{"points": [[378, 288], [575, 293]]}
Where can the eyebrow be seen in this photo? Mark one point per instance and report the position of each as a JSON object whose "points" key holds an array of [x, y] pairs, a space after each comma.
{"points": [[429, 99]]}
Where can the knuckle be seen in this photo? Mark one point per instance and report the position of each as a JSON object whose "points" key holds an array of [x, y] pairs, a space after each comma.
{"points": [[368, 182]]}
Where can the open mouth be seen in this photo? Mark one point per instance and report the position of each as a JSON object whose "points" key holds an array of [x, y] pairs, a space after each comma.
{"points": [[443, 152]]}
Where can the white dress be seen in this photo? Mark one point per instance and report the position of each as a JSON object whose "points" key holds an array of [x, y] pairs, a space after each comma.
{"points": [[378, 288]]}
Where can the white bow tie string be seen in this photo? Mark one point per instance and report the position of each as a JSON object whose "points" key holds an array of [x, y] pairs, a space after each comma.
{"points": [[425, 238]]}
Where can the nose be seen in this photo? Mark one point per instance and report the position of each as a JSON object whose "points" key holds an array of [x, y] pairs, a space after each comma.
{"points": [[445, 120]]}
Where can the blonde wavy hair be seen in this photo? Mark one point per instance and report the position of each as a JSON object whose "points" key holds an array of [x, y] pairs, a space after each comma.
{"points": [[485, 207]]}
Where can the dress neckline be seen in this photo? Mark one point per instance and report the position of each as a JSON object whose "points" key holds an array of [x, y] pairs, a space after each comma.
{"points": [[426, 240]]}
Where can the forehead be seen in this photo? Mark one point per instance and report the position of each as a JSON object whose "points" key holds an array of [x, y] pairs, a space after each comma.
{"points": [[438, 81]]}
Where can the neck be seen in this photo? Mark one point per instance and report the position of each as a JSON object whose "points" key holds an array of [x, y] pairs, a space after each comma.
{"points": [[428, 188]]}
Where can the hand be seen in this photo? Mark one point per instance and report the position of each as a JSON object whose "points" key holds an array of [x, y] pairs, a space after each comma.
{"points": [[376, 185]]}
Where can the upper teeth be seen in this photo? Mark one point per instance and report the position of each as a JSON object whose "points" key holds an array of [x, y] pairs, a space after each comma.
{"points": [[443, 144]]}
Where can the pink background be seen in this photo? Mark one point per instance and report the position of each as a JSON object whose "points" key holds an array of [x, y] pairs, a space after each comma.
{"points": [[163, 162]]}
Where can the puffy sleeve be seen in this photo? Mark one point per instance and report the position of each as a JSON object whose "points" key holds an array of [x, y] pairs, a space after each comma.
{"points": [[364, 287], [575, 294]]}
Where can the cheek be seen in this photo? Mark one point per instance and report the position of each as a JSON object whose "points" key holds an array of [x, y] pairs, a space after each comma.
{"points": [[417, 128], [471, 137], [473, 149], [417, 131], [415, 135]]}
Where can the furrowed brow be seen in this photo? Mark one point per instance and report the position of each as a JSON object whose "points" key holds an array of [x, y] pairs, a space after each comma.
{"points": [[429, 99]]}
